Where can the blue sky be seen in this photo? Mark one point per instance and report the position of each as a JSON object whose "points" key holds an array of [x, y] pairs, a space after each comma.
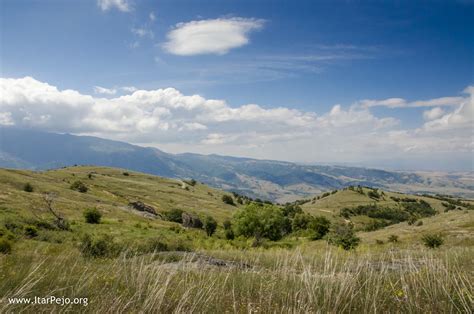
{"points": [[306, 56]]}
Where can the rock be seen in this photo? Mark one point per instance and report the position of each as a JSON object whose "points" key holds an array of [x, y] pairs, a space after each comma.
{"points": [[140, 206], [191, 221]]}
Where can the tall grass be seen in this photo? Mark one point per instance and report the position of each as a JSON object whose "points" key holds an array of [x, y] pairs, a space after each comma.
{"points": [[281, 281]]}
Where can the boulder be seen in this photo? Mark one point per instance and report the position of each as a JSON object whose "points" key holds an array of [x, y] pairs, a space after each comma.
{"points": [[140, 206], [191, 221]]}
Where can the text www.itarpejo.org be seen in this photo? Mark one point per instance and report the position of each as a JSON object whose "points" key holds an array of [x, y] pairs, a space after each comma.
{"points": [[50, 300]]}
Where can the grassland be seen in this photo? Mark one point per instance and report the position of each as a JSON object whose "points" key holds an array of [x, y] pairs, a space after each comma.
{"points": [[198, 273]]}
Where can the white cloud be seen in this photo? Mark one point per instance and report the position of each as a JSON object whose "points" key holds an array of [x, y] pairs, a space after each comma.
{"points": [[432, 114], [121, 5], [129, 89], [143, 32], [105, 91], [152, 16], [402, 103], [216, 36], [172, 121]]}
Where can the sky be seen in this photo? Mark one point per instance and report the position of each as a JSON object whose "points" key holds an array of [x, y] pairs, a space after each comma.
{"points": [[380, 84]]}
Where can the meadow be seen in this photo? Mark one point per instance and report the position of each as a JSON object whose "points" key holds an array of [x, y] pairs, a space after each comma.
{"points": [[149, 264]]}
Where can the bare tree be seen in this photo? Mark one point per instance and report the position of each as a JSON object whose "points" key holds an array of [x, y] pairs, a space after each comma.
{"points": [[48, 200]]}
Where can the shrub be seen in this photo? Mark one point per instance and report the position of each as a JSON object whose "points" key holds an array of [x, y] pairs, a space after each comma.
{"points": [[320, 226], [228, 199], [210, 225], [103, 246], [301, 221], [31, 231], [432, 240], [419, 223], [373, 194], [343, 235], [379, 242], [260, 221], [290, 210], [228, 232], [174, 215], [126, 174], [5, 246], [28, 187], [79, 186], [393, 238], [92, 216]]}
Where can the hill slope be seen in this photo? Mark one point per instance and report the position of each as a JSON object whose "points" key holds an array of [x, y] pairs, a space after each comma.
{"points": [[266, 179]]}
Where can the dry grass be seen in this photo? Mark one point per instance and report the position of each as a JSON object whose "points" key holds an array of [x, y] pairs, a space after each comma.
{"points": [[283, 281]]}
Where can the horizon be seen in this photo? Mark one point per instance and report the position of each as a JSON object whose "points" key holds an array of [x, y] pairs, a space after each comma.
{"points": [[377, 85]]}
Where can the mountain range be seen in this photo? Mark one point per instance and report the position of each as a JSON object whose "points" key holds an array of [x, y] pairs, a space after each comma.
{"points": [[266, 179]]}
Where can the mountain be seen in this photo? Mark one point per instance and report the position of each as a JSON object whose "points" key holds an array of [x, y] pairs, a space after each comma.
{"points": [[266, 179]]}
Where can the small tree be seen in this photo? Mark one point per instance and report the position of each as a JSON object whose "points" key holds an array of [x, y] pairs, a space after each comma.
{"points": [[79, 186], [432, 240], [28, 187], [60, 221], [343, 235], [228, 199], [210, 225], [260, 221], [92, 216]]}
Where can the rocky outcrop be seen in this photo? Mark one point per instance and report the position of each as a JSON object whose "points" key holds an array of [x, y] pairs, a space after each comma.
{"points": [[191, 221], [140, 206]]}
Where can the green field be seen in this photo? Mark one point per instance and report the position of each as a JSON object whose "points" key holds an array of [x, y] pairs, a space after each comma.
{"points": [[161, 266]]}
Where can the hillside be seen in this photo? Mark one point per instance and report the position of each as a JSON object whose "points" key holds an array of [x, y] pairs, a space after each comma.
{"points": [[417, 207], [110, 191], [266, 179], [134, 261]]}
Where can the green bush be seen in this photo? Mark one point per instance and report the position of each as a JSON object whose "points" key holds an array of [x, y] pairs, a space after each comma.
{"points": [[126, 174], [79, 186], [373, 194], [301, 221], [102, 246], [320, 226], [228, 199], [343, 235], [5, 246], [28, 187], [290, 210], [432, 240], [260, 221], [31, 231], [92, 216], [174, 215], [228, 232], [210, 225]]}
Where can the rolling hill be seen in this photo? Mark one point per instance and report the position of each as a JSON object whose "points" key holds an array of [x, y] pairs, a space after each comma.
{"points": [[266, 179]]}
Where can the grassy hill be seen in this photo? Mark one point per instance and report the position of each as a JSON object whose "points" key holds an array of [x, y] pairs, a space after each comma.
{"points": [[110, 191], [163, 267]]}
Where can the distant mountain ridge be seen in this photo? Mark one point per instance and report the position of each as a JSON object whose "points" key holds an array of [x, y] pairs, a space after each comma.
{"points": [[266, 179]]}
